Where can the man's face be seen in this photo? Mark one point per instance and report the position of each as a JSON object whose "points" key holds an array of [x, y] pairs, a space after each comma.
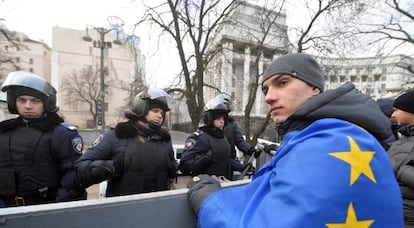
{"points": [[28, 106], [402, 117], [284, 94]]}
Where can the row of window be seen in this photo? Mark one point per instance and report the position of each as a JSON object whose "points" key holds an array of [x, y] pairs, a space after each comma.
{"points": [[354, 78], [31, 61], [357, 71]]}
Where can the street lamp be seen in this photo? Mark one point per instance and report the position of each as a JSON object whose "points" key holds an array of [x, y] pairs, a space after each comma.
{"points": [[102, 45]]}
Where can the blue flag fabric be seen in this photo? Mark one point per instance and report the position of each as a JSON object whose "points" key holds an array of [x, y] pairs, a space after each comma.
{"points": [[331, 174]]}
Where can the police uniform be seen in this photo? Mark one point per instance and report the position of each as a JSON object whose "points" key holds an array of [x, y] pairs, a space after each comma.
{"points": [[36, 161], [206, 153], [37, 150], [146, 158], [135, 157]]}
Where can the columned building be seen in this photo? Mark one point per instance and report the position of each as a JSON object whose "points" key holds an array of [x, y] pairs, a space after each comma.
{"points": [[240, 59], [376, 76]]}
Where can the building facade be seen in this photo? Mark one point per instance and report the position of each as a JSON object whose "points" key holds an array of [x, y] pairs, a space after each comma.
{"points": [[238, 64], [23, 54], [376, 76], [72, 56], [246, 49]]}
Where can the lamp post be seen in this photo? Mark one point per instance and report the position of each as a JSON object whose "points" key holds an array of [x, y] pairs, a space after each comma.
{"points": [[102, 45]]}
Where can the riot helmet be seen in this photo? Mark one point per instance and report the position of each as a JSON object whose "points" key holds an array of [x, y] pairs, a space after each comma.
{"points": [[20, 82], [225, 99], [214, 108], [146, 100]]}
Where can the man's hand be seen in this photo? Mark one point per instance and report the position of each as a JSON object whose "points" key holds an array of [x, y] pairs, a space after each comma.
{"points": [[270, 147], [200, 187], [254, 151]]}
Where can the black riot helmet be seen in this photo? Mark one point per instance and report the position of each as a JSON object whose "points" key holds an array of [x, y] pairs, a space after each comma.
{"points": [[146, 100], [214, 108], [21, 82]]}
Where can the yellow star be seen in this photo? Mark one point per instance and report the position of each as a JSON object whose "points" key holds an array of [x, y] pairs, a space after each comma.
{"points": [[351, 221], [358, 160]]}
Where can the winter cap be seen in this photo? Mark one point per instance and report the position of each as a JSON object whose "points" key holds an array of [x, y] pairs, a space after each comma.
{"points": [[20, 91], [405, 102], [298, 65]]}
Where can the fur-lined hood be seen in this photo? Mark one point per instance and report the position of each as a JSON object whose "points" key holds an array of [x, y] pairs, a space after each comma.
{"points": [[45, 124]]}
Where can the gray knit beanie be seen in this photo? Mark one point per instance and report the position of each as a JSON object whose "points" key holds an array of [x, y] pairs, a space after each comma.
{"points": [[298, 65], [405, 102]]}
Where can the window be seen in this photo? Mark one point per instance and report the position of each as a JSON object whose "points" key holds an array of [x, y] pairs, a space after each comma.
{"points": [[17, 59], [31, 70], [31, 61]]}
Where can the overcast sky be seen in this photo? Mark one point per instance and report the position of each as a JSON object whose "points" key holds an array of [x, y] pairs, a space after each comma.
{"points": [[36, 18]]}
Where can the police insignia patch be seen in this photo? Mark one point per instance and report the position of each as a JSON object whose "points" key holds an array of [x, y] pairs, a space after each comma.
{"points": [[77, 145], [97, 140], [189, 144]]}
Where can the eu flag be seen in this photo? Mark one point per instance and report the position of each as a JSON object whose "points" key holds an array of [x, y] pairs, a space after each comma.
{"points": [[330, 174]]}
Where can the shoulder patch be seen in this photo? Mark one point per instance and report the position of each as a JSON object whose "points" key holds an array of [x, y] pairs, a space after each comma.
{"points": [[77, 144], [97, 140], [198, 133], [68, 126], [189, 144]]}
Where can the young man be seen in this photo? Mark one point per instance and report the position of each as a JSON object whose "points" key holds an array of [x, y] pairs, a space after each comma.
{"points": [[402, 152], [330, 170], [37, 149], [136, 156]]}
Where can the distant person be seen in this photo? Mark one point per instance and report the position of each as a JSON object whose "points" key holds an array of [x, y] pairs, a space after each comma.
{"points": [[37, 149], [386, 106], [207, 150], [329, 171], [235, 137], [137, 155], [402, 152]]}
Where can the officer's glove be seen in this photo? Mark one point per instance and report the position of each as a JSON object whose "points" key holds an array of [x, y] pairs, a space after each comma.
{"points": [[254, 151], [201, 163], [118, 164], [100, 173], [200, 187], [270, 147]]}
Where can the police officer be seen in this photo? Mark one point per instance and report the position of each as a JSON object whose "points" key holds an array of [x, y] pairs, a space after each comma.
{"points": [[235, 137], [207, 151], [137, 155], [37, 149]]}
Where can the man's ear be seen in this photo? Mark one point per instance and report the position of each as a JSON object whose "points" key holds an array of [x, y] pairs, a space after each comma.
{"points": [[315, 91]]}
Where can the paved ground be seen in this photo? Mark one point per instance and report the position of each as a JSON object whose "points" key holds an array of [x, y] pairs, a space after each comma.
{"points": [[93, 191]]}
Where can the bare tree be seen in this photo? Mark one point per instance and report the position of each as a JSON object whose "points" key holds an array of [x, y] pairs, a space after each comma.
{"points": [[136, 83], [191, 24], [327, 28], [83, 87], [388, 26], [266, 38]]}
